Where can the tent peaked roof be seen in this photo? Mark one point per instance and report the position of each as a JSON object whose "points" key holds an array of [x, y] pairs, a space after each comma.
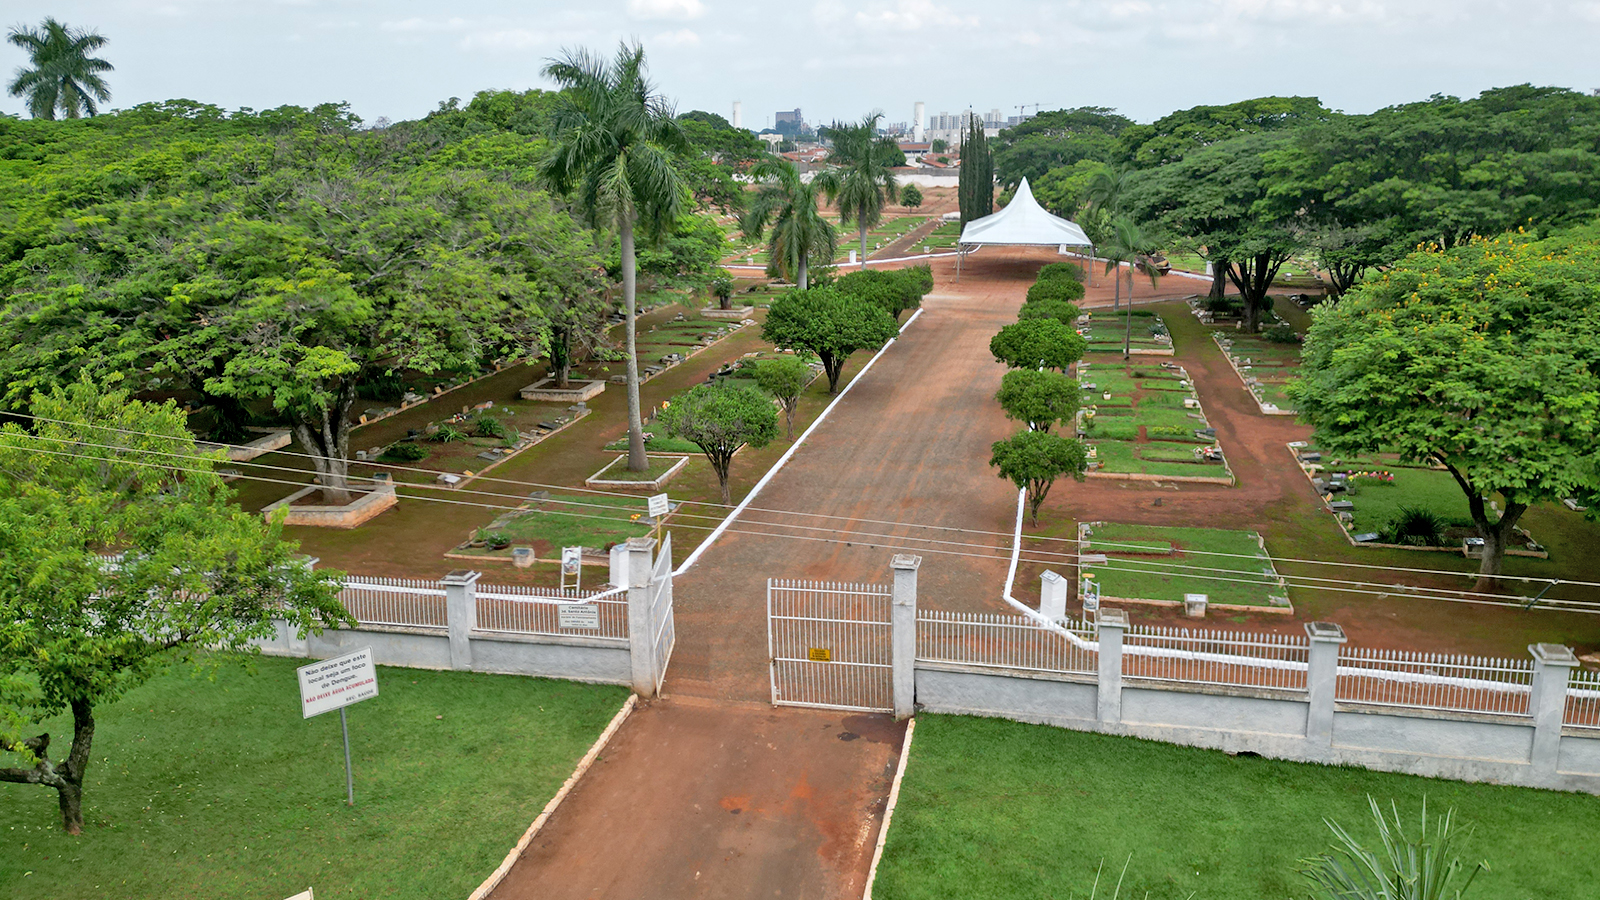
{"points": [[1024, 221]]}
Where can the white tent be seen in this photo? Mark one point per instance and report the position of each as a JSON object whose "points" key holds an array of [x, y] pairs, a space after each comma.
{"points": [[1022, 221]]}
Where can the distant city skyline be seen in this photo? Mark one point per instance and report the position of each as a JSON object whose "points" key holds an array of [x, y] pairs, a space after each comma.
{"points": [[1144, 58]]}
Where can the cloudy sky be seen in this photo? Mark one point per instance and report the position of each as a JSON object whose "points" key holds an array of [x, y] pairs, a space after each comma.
{"points": [[837, 59]]}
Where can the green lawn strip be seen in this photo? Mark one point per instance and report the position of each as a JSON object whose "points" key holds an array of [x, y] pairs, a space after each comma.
{"points": [[1006, 810], [575, 519], [1378, 503], [219, 789], [1122, 456], [658, 443], [1131, 576]]}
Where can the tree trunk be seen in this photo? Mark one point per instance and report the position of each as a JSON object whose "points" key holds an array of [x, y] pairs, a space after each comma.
{"points": [[1219, 279], [561, 355], [1497, 536], [1116, 277], [863, 245], [66, 776], [328, 442], [1127, 328], [803, 260], [636, 458], [832, 366], [788, 415]]}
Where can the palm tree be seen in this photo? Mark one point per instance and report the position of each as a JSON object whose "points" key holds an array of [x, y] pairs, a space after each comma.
{"points": [[799, 232], [64, 76], [862, 182], [615, 141], [1128, 244]]}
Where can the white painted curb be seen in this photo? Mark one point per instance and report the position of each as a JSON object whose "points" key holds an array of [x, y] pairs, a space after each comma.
{"points": [[888, 811], [494, 879]]}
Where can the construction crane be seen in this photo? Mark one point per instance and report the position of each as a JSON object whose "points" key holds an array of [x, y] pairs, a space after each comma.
{"points": [[1022, 108]]}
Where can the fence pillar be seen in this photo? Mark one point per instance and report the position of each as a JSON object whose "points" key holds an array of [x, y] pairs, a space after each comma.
{"points": [[1322, 680], [1052, 596], [903, 633], [1552, 666], [1113, 622], [641, 631], [461, 614], [619, 565]]}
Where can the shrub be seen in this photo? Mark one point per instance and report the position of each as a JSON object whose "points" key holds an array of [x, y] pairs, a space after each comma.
{"points": [[1223, 305], [494, 540], [1060, 310], [449, 432], [1282, 333], [405, 451], [1056, 289], [1061, 271], [489, 426], [1417, 527]]}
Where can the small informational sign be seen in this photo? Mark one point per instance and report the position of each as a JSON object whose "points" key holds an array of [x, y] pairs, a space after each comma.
{"points": [[578, 615], [336, 683], [571, 559], [303, 895], [819, 654], [659, 506]]}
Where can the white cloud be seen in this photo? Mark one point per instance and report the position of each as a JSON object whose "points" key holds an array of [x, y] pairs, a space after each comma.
{"points": [[666, 9], [913, 15], [506, 39], [679, 38]]}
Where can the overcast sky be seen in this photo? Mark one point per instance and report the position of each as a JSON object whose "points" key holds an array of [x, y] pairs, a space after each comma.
{"points": [[836, 59]]}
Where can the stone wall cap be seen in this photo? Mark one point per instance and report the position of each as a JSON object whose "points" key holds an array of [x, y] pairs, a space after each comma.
{"points": [[1051, 577], [1116, 618], [1325, 631], [462, 576], [906, 561], [1553, 654]]}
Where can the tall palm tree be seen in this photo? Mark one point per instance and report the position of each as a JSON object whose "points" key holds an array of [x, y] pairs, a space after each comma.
{"points": [[64, 76], [861, 181], [615, 140], [799, 232], [1128, 244]]}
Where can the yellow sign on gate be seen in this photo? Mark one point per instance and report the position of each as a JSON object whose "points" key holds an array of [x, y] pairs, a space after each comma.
{"points": [[819, 654]]}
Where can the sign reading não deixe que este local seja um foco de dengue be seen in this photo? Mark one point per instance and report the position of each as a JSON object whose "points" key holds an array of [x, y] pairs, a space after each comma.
{"points": [[336, 683]]}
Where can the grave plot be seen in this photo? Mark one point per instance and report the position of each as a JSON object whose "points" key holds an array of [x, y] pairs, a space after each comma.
{"points": [[945, 237], [664, 345], [1160, 565], [882, 235], [1143, 421], [551, 520], [1264, 367], [1146, 334], [1381, 502], [467, 443]]}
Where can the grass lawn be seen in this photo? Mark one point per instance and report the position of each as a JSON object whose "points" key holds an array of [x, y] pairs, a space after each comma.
{"points": [[1379, 503], [997, 809], [1128, 571], [572, 519], [204, 789]]}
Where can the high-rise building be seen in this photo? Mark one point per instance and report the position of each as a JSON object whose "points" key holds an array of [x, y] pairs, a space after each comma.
{"points": [[917, 123]]}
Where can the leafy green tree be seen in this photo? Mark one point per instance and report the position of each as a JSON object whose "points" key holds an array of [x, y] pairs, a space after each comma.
{"points": [[828, 323], [975, 184], [722, 289], [1060, 271], [862, 182], [1056, 140], [1423, 866], [1063, 290], [939, 145], [121, 554], [63, 77], [1040, 399], [1480, 359], [1050, 308], [801, 236], [1129, 246], [1171, 137], [1065, 190], [615, 146], [719, 419], [1033, 460], [896, 290], [785, 378], [1035, 343], [911, 196]]}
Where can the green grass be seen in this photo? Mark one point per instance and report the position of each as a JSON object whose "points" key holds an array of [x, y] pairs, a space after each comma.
{"points": [[1245, 584], [1124, 456], [218, 789], [1378, 504], [573, 519], [998, 810], [657, 444]]}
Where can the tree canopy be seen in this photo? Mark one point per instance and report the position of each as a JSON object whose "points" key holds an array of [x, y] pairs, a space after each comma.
{"points": [[829, 323], [785, 378], [1041, 399], [121, 553], [64, 77], [896, 290], [1031, 343], [1033, 460], [719, 419], [1058, 139], [1481, 359]]}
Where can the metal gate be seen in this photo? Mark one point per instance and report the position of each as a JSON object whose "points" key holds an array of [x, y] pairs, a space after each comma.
{"points": [[663, 633], [830, 645]]}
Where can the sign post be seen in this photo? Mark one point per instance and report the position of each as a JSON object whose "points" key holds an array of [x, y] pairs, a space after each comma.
{"points": [[334, 684], [572, 566], [658, 509]]}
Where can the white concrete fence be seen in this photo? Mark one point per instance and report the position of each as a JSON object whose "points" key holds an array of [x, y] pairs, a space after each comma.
{"points": [[618, 634], [1533, 721]]}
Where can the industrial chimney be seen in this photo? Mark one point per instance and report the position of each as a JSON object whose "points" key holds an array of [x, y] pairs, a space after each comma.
{"points": [[918, 121], [736, 106]]}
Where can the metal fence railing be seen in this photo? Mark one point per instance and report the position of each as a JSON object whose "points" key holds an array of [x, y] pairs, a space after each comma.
{"points": [[1583, 699], [514, 609], [1003, 642], [1237, 659], [404, 602], [1435, 681]]}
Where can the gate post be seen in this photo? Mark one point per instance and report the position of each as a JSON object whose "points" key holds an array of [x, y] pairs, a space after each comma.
{"points": [[903, 633], [641, 631], [1322, 680], [1113, 622], [1552, 667], [461, 614]]}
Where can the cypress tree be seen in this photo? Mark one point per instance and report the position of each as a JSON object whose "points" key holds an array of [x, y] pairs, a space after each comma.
{"points": [[975, 190]]}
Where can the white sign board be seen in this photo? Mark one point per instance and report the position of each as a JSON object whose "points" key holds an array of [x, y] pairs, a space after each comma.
{"points": [[303, 895], [336, 683], [578, 615], [659, 506]]}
